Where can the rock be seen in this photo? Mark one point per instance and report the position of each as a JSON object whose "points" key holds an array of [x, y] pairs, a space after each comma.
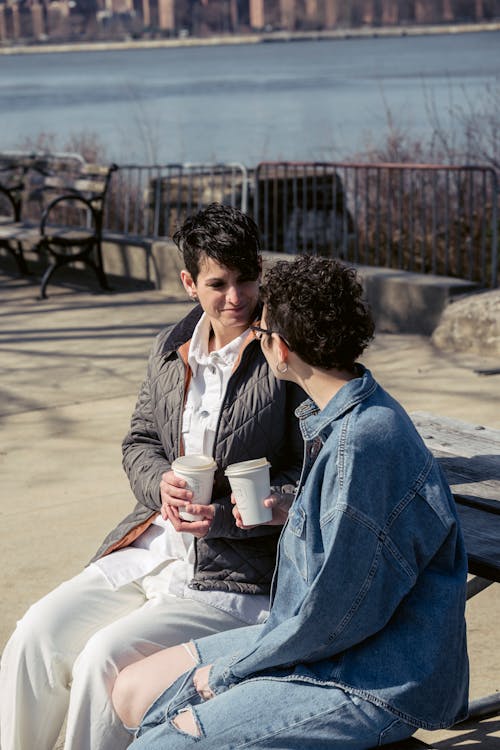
{"points": [[471, 324]]}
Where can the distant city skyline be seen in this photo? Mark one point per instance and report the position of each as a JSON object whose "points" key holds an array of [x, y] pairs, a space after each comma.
{"points": [[77, 20]]}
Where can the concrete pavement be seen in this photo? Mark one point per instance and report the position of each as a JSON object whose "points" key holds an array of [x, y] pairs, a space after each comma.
{"points": [[71, 368]]}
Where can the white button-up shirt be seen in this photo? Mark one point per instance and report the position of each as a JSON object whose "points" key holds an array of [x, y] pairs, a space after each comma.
{"points": [[160, 548], [210, 374]]}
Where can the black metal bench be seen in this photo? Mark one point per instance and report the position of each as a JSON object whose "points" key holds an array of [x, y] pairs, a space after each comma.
{"points": [[53, 205]]}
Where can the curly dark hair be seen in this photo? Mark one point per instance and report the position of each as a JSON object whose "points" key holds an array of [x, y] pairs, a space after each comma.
{"points": [[223, 233], [316, 305]]}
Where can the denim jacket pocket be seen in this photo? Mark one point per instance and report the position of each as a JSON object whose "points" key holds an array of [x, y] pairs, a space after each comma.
{"points": [[295, 544]]}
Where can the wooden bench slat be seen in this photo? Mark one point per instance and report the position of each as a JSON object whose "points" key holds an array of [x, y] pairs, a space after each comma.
{"points": [[90, 185], [80, 184], [18, 231], [32, 234], [456, 437], [410, 744], [95, 169], [481, 531], [468, 454]]}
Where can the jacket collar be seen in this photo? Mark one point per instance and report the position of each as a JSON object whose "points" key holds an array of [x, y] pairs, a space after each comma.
{"points": [[183, 330], [313, 421]]}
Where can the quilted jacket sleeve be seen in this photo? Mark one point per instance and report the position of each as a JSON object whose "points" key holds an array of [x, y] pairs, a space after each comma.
{"points": [[144, 458]]}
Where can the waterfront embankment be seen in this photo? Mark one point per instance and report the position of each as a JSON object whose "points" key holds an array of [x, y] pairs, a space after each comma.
{"points": [[368, 32]]}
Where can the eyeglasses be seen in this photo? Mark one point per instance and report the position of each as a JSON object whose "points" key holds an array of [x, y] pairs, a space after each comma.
{"points": [[259, 332]]}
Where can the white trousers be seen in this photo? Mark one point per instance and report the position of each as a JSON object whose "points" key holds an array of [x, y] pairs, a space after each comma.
{"points": [[66, 651]]}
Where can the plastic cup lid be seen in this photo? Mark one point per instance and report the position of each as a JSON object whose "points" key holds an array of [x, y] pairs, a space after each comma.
{"points": [[194, 462], [244, 466]]}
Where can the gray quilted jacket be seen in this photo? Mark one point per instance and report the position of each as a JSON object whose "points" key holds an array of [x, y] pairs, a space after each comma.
{"points": [[257, 419]]}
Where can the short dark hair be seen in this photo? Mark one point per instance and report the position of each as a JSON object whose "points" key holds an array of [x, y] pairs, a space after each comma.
{"points": [[316, 304], [223, 233]]}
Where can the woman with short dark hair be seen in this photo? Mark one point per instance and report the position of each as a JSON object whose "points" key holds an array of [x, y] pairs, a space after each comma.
{"points": [[158, 579]]}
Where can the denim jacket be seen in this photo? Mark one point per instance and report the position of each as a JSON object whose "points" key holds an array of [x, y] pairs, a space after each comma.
{"points": [[369, 590]]}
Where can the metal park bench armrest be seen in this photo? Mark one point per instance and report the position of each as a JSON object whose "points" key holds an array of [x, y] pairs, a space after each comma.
{"points": [[70, 197], [12, 194]]}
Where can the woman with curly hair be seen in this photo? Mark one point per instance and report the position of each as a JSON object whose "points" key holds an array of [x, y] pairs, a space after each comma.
{"points": [[365, 641]]}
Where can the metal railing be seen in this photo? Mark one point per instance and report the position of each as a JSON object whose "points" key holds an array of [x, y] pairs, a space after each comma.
{"points": [[153, 201], [414, 217]]}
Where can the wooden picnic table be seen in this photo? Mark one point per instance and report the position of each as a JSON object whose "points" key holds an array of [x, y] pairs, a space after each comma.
{"points": [[470, 457]]}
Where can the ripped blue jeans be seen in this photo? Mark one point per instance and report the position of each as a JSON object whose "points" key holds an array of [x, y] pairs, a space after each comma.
{"points": [[275, 710]]}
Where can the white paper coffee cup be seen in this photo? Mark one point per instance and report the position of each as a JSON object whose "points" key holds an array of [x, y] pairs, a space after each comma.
{"points": [[250, 484], [198, 471]]}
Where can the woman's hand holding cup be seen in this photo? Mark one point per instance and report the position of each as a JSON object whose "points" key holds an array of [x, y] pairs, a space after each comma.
{"points": [[279, 505], [175, 497], [173, 493]]}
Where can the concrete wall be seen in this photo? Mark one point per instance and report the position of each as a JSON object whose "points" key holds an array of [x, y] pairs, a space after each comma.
{"points": [[401, 302], [404, 302], [158, 263]]}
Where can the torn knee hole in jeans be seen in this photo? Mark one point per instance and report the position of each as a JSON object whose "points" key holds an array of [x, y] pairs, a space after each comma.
{"points": [[185, 721]]}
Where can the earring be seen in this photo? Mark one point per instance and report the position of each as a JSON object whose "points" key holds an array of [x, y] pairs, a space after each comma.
{"points": [[282, 369]]}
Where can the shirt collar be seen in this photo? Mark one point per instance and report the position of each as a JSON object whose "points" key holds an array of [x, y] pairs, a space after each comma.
{"points": [[313, 421], [198, 347]]}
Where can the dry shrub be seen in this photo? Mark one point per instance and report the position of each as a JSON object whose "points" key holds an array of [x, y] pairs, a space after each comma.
{"points": [[86, 143], [422, 218]]}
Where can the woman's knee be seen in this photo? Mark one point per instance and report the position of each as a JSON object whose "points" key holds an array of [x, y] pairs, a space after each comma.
{"points": [[139, 685], [100, 660], [126, 699]]}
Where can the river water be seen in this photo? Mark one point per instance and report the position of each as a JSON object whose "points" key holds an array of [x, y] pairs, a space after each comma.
{"points": [[307, 100]]}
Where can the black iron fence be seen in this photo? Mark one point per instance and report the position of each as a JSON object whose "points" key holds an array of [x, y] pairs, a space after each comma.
{"points": [[415, 217]]}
